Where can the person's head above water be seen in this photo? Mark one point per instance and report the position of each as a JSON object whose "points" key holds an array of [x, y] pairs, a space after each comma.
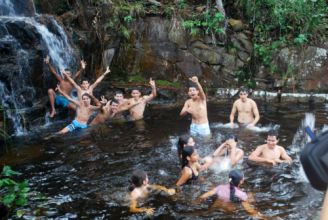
{"points": [[193, 90], [183, 141], [114, 103], [135, 93], [231, 137], [86, 98], [85, 84], [243, 94], [189, 154], [236, 178], [138, 179], [272, 138], [119, 95]]}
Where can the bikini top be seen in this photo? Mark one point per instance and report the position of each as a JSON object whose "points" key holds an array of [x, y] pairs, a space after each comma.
{"points": [[193, 178]]}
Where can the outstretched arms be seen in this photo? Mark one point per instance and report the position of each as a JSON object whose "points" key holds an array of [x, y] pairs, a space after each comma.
{"points": [[95, 84], [78, 73], [69, 78], [51, 68], [67, 96], [163, 188]]}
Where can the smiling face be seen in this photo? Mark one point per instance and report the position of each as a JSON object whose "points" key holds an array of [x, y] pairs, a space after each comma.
{"points": [[271, 141], [86, 100], [190, 142], [114, 107], [85, 85], [135, 94], [119, 97], [193, 158], [193, 92]]}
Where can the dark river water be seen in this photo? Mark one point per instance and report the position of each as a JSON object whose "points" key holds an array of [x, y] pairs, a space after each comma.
{"points": [[85, 175]]}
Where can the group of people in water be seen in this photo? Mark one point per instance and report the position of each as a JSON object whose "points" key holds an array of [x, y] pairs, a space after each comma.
{"points": [[86, 104]]}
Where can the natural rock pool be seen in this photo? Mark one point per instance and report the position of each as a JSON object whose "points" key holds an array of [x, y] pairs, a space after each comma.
{"points": [[85, 175]]}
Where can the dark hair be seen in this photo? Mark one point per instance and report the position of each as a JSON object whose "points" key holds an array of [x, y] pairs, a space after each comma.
{"points": [[84, 79], [235, 176], [193, 85], [114, 101], [118, 92], [186, 152], [137, 178], [273, 133], [231, 136], [243, 89], [86, 94], [183, 140]]}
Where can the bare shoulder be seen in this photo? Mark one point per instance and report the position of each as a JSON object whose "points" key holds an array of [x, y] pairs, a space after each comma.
{"points": [[187, 170], [261, 147], [135, 194], [252, 101], [282, 149]]}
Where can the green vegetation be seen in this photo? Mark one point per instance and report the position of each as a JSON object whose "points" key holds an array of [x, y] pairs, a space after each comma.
{"points": [[13, 194], [281, 23], [210, 21], [168, 84]]}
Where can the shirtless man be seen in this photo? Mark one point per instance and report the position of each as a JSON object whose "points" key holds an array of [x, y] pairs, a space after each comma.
{"points": [[197, 107], [85, 85], [248, 113], [136, 112], [109, 110], [229, 148], [64, 85], [83, 111], [270, 153]]}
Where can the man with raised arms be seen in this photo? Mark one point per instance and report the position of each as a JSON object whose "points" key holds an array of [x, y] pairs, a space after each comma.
{"points": [[196, 106], [136, 112], [85, 85], [270, 153], [248, 113], [64, 84]]}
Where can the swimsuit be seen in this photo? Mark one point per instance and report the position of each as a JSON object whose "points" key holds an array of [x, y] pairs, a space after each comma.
{"points": [[193, 178], [61, 100], [223, 193], [76, 125], [200, 129]]}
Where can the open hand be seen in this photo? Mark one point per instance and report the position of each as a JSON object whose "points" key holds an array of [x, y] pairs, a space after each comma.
{"points": [[149, 211], [103, 100], [107, 70], [83, 64], [171, 192]]}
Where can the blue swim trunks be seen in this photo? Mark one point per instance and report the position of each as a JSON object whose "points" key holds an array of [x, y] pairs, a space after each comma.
{"points": [[202, 129], [76, 125], [61, 100]]}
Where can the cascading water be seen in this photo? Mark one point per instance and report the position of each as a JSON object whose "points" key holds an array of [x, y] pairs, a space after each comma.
{"points": [[301, 139], [25, 40]]}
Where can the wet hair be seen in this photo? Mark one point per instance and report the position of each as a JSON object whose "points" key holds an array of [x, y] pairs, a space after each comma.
{"points": [[187, 151], [183, 140], [231, 136], [137, 179], [84, 79], [235, 176], [119, 92], [114, 101], [86, 94], [193, 85], [273, 133], [243, 89], [3, 211]]}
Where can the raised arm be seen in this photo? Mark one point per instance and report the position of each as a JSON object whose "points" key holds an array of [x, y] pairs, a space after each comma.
{"points": [[52, 69], [69, 78], [67, 96], [233, 112], [95, 84], [256, 113], [153, 91], [201, 91], [96, 101], [78, 73], [219, 150]]}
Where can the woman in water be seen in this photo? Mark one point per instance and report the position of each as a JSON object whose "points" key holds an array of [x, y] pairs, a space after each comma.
{"points": [[232, 193], [229, 150], [185, 140], [139, 189]]}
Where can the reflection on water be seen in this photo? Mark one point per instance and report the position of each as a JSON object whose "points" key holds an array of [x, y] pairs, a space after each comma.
{"points": [[86, 174]]}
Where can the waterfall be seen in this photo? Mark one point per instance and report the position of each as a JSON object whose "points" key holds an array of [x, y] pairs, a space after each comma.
{"points": [[25, 39]]}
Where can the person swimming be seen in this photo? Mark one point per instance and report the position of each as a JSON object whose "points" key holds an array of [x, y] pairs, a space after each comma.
{"points": [[139, 189], [231, 193], [190, 166]]}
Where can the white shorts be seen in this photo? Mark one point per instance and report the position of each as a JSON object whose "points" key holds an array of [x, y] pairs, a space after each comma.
{"points": [[200, 129]]}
